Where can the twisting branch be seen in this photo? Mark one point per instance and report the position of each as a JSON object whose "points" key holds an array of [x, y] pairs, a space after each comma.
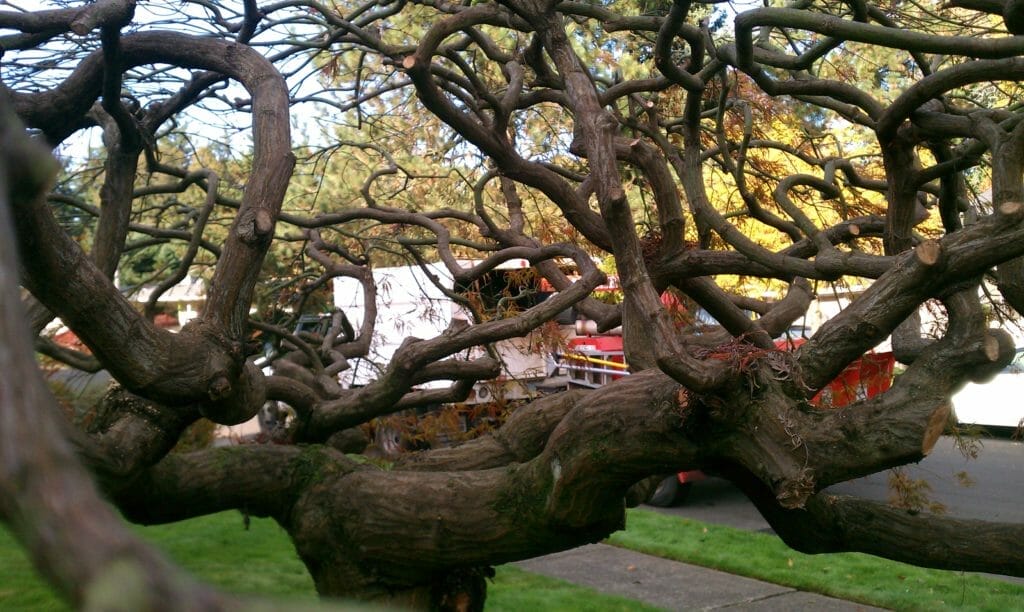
{"points": [[358, 405], [48, 500], [881, 36], [650, 337], [83, 291], [830, 523], [495, 145], [194, 243], [928, 271]]}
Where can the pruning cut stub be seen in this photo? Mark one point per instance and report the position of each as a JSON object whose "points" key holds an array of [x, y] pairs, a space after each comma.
{"points": [[990, 345], [937, 422], [264, 222], [928, 252], [1013, 210], [219, 387], [254, 225]]}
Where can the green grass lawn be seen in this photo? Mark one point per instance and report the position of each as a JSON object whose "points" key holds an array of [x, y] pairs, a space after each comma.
{"points": [[265, 563], [852, 576], [261, 561]]}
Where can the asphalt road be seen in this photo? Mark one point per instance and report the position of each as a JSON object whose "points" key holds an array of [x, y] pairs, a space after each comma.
{"points": [[993, 489]]}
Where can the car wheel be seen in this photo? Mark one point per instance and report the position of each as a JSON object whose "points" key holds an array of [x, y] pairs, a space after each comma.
{"points": [[669, 492]]}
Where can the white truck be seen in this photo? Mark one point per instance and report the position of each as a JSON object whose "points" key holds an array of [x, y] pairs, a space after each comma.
{"points": [[411, 304]]}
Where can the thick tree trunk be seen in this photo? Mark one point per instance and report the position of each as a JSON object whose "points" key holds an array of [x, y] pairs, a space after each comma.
{"points": [[424, 531]]}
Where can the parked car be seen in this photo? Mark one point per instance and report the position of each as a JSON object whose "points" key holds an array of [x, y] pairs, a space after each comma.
{"points": [[673, 490], [996, 403]]}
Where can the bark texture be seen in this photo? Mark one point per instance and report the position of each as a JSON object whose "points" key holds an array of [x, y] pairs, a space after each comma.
{"points": [[657, 167]]}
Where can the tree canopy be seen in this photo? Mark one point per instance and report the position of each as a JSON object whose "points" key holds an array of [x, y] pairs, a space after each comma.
{"points": [[737, 155]]}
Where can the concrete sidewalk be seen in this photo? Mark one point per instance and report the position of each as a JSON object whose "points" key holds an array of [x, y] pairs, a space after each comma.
{"points": [[673, 585]]}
